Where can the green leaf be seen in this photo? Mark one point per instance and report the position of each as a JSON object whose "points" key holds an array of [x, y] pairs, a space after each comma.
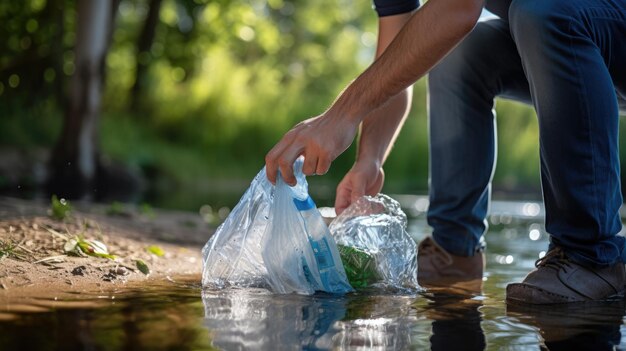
{"points": [[60, 208], [156, 250], [81, 247], [142, 266], [98, 247]]}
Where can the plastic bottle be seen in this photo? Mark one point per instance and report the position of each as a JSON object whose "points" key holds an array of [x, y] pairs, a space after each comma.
{"points": [[332, 275]]}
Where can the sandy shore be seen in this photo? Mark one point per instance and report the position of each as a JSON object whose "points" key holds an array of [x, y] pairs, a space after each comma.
{"points": [[35, 264]]}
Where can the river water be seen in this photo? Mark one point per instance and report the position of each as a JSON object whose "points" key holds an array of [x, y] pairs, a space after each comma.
{"points": [[179, 315]]}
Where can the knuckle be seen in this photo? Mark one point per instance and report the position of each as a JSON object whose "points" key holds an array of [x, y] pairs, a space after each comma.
{"points": [[321, 147], [315, 144], [283, 163]]}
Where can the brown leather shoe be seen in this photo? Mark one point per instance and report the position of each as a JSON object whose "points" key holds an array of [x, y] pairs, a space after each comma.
{"points": [[558, 279], [438, 268]]}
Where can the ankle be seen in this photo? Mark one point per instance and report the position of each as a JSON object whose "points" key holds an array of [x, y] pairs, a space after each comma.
{"points": [[461, 245]]}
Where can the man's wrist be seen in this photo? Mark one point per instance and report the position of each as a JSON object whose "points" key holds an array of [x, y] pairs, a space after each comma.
{"points": [[349, 106], [365, 159]]}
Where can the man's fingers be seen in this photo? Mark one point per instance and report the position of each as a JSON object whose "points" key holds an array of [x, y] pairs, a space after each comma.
{"points": [[342, 199], [310, 164], [271, 162], [358, 189], [341, 206], [272, 157], [271, 168], [323, 164], [285, 164]]}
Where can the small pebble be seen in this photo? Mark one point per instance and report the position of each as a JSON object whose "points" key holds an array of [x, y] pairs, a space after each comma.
{"points": [[80, 270]]}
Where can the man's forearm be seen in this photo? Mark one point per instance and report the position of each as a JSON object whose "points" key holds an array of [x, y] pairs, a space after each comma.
{"points": [[380, 128], [426, 38]]}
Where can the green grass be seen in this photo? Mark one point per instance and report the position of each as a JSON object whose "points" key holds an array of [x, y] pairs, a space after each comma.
{"points": [[11, 249], [60, 209]]}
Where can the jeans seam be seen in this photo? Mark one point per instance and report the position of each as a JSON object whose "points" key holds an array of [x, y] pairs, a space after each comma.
{"points": [[606, 14], [585, 107]]}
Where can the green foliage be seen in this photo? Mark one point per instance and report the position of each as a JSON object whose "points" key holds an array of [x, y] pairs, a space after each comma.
{"points": [[11, 249], [142, 266], [60, 209], [6, 249], [224, 80], [518, 146], [360, 266], [156, 250], [79, 246], [116, 209], [28, 125], [147, 210]]}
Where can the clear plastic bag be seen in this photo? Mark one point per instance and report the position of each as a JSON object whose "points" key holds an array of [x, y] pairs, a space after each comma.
{"points": [[298, 250], [275, 237], [232, 257], [376, 250]]}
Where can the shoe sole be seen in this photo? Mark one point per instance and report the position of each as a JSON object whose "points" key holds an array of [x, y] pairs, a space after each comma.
{"points": [[520, 293]]}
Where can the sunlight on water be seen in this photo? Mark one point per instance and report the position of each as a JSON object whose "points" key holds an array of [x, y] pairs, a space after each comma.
{"points": [[181, 316]]}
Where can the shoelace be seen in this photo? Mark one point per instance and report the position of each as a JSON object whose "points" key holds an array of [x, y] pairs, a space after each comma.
{"points": [[556, 259]]}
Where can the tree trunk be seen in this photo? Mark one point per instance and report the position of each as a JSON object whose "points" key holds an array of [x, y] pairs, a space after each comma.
{"points": [[57, 56], [74, 159], [143, 48]]}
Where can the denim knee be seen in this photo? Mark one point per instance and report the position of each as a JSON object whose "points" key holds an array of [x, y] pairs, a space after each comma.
{"points": [[534, 22]]}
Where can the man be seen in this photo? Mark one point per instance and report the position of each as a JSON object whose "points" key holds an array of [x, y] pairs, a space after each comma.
{"points": [[566, 57]]}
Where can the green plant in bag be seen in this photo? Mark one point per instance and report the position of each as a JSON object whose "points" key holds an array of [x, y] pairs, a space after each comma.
{"points": [[360, 266]]}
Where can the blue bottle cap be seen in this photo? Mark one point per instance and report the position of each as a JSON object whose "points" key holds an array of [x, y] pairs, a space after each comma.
{"points": [[303, 205]]}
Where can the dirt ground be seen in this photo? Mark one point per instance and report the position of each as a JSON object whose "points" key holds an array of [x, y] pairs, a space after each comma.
{"points": [[34, 261]]}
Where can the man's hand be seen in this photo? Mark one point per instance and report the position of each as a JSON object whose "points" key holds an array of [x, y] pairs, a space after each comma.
{"points": [[320, 139], [423, 39], [365, 178]]}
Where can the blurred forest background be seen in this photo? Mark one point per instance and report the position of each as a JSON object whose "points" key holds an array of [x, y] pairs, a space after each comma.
{"points": [[194, 93]]}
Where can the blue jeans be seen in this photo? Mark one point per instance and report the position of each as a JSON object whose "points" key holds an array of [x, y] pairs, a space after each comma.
{"points": [[567, 58]]}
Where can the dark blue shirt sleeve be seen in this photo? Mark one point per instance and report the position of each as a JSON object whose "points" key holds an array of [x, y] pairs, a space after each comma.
{"points": [[394, 7]]}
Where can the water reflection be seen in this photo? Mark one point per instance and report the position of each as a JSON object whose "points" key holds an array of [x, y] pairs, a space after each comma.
{"points": [[258, 320], [583, 326], [179, 317], [456, 322]]}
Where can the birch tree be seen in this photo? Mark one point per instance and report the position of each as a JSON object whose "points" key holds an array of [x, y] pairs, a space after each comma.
{"points": [[75, 157]]}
